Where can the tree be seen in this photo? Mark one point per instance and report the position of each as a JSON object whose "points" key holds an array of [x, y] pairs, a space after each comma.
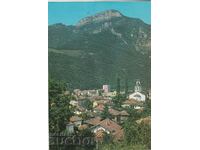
{"points": [[105, 114], [59, 108], [147, 107], [118, 98], [55, 88], [86, 133], [88, 104], [118, 86], [133, 114], [137, 134], [126, 87]]}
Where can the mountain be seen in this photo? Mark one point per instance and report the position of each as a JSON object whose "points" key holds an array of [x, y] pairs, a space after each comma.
{"points": [[100, 48]]}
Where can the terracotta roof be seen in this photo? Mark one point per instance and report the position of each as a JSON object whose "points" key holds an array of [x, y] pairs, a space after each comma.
{"points": [[124, 113], [110, 125], [75, 118], [114, 112], [94, 121], [100, 107], [130, 102], [115, 130]]}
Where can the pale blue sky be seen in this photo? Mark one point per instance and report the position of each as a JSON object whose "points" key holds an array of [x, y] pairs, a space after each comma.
{"points": [[70, 13]]}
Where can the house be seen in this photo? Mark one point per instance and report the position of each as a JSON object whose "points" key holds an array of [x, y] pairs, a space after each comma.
{"points": [[133, 103], [123, 116], [79, 109], [110, 127], [77, 121], [115, 114], [77, 92], [93, 93], [106, 88], [110, 94], [73, 102], [99, 108], [101, 102], [129, 103], [118, 116], [99, 135]]}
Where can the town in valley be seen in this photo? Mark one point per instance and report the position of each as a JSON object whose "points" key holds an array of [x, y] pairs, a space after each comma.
{"points": [[103, 114]]}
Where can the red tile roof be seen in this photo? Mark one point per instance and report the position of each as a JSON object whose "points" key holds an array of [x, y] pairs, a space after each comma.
{"points": [[115, 129], [114, 112], [94, 121], [110, 125], [100, 107], [117, 113]]}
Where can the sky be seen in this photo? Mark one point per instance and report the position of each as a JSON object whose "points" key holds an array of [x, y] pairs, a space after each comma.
{"points": [[70, 13]]}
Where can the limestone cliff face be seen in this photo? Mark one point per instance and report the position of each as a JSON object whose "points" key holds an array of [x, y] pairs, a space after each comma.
{"points": [[102, 16]]}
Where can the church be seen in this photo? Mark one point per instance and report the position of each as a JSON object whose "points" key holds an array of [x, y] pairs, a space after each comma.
{"points": [[137, 95]]}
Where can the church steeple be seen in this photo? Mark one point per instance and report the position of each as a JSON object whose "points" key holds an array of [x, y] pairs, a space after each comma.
{"points": [[138, 87]]}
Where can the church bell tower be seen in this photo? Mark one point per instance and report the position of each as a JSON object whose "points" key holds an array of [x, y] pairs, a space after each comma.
{"points": [[138, 87]]}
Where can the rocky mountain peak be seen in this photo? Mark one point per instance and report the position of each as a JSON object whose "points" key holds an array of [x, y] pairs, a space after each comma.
{"points": [[99, 17]]}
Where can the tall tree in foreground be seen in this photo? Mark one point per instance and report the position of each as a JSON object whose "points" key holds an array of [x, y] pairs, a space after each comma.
{"points": [[138, 134], [59, 107]]}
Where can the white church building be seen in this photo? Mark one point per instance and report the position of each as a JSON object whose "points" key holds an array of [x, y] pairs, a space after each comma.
{"points": [[137, 95]]}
